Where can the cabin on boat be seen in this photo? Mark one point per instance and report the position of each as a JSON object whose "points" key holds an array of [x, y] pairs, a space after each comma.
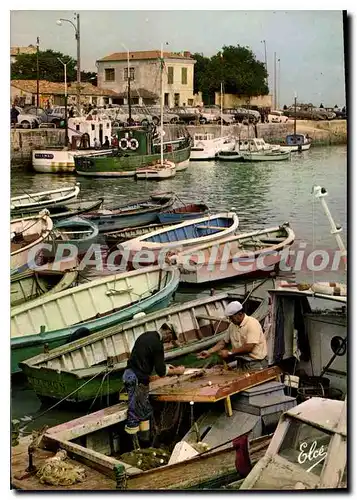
{"points": [[82, 130], [297, 139]]}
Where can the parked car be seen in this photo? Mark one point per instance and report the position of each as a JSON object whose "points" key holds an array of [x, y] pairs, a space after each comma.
{"points": [[186, 115], [244, 115], [26, 120], [308, 113], [340, 113], [45, 116], [168, 115], [276, 116]]}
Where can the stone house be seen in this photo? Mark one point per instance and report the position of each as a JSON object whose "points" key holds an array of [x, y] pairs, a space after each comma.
{"points": [[144, 71], [24, 92], [15, 51]]}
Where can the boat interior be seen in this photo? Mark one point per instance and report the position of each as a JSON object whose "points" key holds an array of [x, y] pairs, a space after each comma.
{"points": [[191, 231]]}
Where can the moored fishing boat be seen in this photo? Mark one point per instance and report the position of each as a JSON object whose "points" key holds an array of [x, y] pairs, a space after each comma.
{"points": [[184, 235], [206, 146], [66, 210], [118, 236], [44, 199], [26, 235], [180, 214], [157, 170], [199, 324], [95, 305], [265, 155], [82, 130], [32, 284], [246, 145], [75, 231], [235, 256], [296, 142], [135, 213], [136, 149]]}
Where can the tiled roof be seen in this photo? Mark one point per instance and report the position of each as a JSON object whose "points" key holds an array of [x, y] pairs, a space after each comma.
{"points": [[51, 88], [15, 51], [145, 94], [146, 54]]}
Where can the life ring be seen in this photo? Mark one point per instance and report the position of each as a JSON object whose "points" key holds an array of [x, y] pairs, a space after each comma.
{"points": [[123, 143], [133, 144]]}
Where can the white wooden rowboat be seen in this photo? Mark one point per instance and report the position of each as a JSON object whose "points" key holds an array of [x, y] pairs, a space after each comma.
{"points": [[44, 199], [98, 304], [25, 235], [157, 171], [238, 255]]}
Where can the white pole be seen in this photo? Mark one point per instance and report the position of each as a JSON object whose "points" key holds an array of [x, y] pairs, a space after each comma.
{"points": [[162, 107], [65, 81]]}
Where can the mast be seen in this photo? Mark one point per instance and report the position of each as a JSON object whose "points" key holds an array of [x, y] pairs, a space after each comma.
{"points": [[129, 100], [221, 109], [295, 115], [320, 193], [162, 106]]}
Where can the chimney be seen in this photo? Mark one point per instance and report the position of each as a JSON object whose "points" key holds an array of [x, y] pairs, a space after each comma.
{"points": [[187, 54]]}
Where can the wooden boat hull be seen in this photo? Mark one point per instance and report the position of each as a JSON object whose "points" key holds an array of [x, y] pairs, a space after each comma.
{"points": [[243, 255], [303, 147], [208, 150], [115, 300], [55, 161], [44, 199], [76, 231], [49, 377], [35, 230], [66, 210], [265, 156], [130, 215], [165, 171], [32, 284], [114, 237], [124, 166], [229, 156], [178, 215]]}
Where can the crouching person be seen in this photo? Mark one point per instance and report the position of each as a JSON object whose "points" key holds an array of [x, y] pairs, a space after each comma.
{"points": [[147, 355]]}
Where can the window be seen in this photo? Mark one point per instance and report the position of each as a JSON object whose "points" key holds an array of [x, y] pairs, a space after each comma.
{"points": [[132, 74], [170, 75], [109, 74], [166, 99], [184, 76], [306, 446], [190, 102], [177, 99]]}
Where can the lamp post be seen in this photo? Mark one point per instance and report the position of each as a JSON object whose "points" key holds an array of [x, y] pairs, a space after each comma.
{"points": [[129, 97], [77, 37], [37, 75], [278, 93], [265, 55], [65, 99]]}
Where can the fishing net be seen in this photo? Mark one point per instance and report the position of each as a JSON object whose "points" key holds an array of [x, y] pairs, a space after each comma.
{"points": [[57, 472], [146, 459]]}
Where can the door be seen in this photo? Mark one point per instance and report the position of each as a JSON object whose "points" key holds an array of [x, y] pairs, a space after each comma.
{"points": [[167, 99], [177, 100]]}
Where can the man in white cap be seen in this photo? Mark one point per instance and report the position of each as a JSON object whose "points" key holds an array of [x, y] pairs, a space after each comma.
{"points": [[246, 337]]}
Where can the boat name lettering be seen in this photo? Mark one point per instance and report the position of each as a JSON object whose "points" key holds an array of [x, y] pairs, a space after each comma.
{"points": [[47, 156], [312, 453], [40, 383]]}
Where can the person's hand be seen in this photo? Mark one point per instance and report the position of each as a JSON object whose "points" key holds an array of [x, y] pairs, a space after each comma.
{"points": [[203, 355], [180, 370], [223, 353]]}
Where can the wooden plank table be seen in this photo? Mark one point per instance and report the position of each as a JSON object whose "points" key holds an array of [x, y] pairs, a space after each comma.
{"points": [[210, 385]]}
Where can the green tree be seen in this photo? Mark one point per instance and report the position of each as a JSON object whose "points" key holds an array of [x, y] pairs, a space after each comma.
{"points": [[200, 72], [238, 69], [50, 68]]}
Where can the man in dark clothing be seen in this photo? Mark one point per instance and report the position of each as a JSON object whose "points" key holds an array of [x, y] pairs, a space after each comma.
{"points": [[14, 113], [147, 355]]}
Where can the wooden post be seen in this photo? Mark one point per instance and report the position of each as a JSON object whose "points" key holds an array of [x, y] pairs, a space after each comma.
{"points": [[228, 406]]}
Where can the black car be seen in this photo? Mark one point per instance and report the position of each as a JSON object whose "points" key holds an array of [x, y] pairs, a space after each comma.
{"points": [[186, 116]]}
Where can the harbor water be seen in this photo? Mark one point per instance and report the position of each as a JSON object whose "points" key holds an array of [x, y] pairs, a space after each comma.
{"points": [[262, 194]]}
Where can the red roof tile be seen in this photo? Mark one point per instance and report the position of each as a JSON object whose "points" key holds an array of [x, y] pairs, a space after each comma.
{"points": [[51, 88]]}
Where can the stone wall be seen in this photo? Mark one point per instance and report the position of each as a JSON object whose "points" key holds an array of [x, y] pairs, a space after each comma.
{"points": [[322, 133], [22, 143]]}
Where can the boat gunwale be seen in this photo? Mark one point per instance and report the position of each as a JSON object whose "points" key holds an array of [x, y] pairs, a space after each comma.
{"points": [[290, 237], [44, 218], [72, 193], [190, 222], [120, 328]]}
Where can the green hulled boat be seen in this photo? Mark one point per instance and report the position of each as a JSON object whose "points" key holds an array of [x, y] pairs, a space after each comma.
{"points": [[79, 368], [136, 148]]}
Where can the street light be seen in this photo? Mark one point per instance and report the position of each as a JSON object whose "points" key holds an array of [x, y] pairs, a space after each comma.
{"points": [[77, 37], [65, 99], [265, 53]]}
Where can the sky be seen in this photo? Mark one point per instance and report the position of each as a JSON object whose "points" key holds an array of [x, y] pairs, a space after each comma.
{"points": [[309, 44]]}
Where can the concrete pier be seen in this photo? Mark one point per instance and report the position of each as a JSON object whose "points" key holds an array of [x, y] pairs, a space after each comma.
{"points": [[323, 133]]}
